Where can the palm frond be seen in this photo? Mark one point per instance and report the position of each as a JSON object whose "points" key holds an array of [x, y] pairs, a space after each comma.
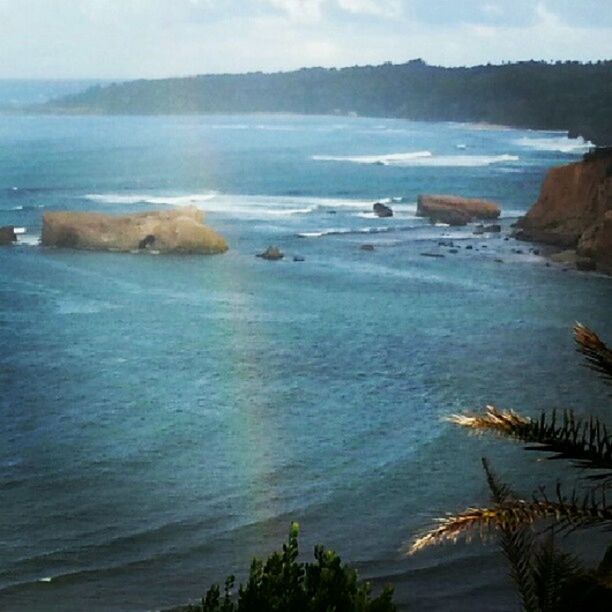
{"points": [[586, 442], [553, 571], [516, 543], [500, 491], [567, 514], [597, 354]]}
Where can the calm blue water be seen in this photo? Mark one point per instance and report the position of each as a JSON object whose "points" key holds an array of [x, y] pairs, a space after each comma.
{"points": [[163, 419]]}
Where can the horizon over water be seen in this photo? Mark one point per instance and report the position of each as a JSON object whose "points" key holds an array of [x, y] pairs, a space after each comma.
{"points": [[165, 418]]}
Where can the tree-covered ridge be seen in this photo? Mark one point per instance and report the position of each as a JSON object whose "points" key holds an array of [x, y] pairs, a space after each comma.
{"points": [[564, 95]]}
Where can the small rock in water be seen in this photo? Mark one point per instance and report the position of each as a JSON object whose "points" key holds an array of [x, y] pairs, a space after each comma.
{"points": [[469, 247], [7, 235], [367, 247], [382, 210], [453, 250], [585, 264], [298, 258], [536, 251], [272, 253], [432, 255]]}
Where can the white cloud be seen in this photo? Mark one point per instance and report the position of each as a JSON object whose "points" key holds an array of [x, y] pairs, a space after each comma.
{"points": [[381, 8], [299, 10], [154, 38], [493, 10]]}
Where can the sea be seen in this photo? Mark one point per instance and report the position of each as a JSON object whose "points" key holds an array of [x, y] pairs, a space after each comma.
{"points": [[164, 418]]}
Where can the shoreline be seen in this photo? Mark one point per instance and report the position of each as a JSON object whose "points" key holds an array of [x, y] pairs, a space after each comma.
{"points": [[473, 124]]}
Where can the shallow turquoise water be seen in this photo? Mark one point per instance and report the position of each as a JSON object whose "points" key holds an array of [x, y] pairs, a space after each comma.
{"points": [[164, 418]]}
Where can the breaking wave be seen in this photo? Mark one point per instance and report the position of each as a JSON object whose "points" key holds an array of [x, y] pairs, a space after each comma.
{"points": [[421, 158], [342, 231], [119, 198], [561, 144], [242, 205]]}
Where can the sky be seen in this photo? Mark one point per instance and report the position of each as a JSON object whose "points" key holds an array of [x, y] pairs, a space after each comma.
{"points": [[123, 39]]}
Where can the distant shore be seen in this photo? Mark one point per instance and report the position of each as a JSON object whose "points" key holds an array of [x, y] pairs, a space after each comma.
{"points": [[566, 96]]}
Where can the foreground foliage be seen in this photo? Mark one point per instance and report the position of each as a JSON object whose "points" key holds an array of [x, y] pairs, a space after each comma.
{"points": [[548, 579], [283, 584]]}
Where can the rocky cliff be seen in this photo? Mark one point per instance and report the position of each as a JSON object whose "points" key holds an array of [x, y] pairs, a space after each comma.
{"points": [[574, 210], [172, 231]]}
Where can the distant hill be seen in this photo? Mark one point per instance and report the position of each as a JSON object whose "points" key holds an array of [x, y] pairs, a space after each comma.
{"points": [[565, 95]]}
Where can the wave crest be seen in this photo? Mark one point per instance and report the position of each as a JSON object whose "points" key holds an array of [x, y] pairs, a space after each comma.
{"points": [[561, 144], [422, 158]]}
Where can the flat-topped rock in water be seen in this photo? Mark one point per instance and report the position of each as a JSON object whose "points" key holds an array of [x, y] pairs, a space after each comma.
{"points": [[7, 235], [169, 231], [574, 210], [455, 210]]}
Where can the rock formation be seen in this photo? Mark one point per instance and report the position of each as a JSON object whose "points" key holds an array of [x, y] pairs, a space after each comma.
{"points": [[574, 210], [7, 235], [169, 231], [455, 210], [382, 210], [272, 253]]}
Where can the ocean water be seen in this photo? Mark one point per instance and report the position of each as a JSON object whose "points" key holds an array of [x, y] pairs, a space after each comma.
{"points": [[164, 418]]}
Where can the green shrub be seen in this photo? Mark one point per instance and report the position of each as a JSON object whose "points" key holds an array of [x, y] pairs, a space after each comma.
{"points": [[283, 584]]}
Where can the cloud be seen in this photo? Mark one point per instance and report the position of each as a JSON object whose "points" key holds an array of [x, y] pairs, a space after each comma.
{"points": [[154, 38], [381, 8], [299, 10]]}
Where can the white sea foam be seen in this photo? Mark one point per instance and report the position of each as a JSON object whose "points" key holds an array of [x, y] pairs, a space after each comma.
{"points": [[383, 160], [252, 206], [229, 126], [19, 230], [422, 158], [29, 239], [340, 231], [562, 144], [139, 198]]}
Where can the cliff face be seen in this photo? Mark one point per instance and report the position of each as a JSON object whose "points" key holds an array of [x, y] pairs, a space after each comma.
{"points": [[173, 231], [574, 210]]}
